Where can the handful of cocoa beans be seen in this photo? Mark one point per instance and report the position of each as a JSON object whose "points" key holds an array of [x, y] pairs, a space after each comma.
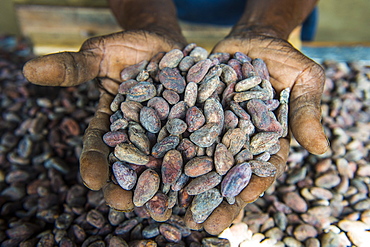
{"points": [[190, 129]]}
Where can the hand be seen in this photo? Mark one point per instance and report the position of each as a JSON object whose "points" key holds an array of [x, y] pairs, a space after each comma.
{"points": [[288, 68], [102, 57]]}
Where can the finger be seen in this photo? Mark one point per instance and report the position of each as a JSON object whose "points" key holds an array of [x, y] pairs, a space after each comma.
{"points": [[118, 198], [63, 69], [109, 85], [305, 111], [94, 167], [223, 216]]}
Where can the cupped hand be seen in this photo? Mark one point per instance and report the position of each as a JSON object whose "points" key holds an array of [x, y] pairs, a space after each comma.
{"points": [[288, 68], [101, 57]]}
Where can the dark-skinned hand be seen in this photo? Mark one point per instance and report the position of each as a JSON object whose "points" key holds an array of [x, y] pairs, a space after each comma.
{"points": [[104, 58], [288, 68]]}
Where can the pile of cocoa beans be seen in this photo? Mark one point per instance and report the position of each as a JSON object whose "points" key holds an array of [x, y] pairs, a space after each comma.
{"points": [[190, 129]]}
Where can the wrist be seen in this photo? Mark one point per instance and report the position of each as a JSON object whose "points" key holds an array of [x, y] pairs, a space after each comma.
{"points": [[272, 18], [258, 30], [156, 16]]}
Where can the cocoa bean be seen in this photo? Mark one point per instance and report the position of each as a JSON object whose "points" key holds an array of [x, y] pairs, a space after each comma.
{"points": [[146, 187]]}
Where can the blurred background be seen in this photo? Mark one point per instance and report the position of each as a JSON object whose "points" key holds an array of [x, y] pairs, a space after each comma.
{"points": [[55, 25]]}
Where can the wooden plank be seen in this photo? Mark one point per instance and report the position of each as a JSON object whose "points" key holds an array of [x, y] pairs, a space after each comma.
{"points": [[75, 3], [8, 19], [62, 27]]}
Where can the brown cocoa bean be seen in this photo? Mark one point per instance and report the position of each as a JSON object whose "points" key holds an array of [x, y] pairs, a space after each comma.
{"points": [[248, 70], [113, 138], [194, 118], [241, 57], [187, 148], [149, 119], [171, 166], [160, 106], [125, 176], [206, 135], [223, 159], [131, 110], [172, 80], [141, 92], [207, 88], [247, 83], [171, 59], [171, 96], [262, 141], [203, 183], [119, 124], [262, 168], [191, 94], [238, 110], [162, 147], [236, 180], [237, 67], [198, 166], [132, 71], [158, 204], [222, 57], [129, 153], [146, 187], [178, 111], [139, 139], [231, 120], [186, 63], [261, 68], [204, 203], [234, 140], [197, 72]]}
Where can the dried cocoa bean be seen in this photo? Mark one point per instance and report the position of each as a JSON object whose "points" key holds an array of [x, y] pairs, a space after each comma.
{"points": [[171, 166], [171, 59], [129, 153], [160, 106], [204, 203], [262, 141], [194, 118], [261, 68], [132, 71], [146, 187], [149, 119], [187, 148], [178, 111], [247, 83], [158, 204], [176, 126], [172, 80], [198, 71], [236, 180], [198, 166], [262, 168], [131, 110], [223, 159], [113, 138], [171, 96], [162, 147], [206, 135], [203, 183], [125, 176]]}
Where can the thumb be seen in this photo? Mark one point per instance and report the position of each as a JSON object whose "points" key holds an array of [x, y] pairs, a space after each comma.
{"points": [[63, 69], [305, 114]]}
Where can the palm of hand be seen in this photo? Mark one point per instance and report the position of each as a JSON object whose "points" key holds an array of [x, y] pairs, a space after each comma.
{"points": [[288, 68]]}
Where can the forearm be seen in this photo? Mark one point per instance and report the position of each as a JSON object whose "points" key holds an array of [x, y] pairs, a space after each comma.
{"points": [[275, 18], [150, 15]]}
